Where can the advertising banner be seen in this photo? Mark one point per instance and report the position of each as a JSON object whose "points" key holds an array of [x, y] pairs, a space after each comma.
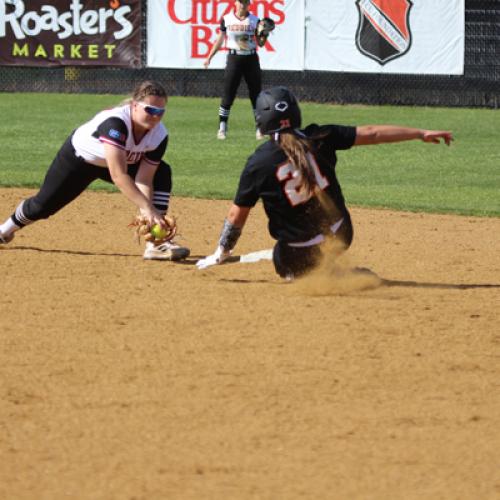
{"points": [[182, 32], [386, 36], [70, 32]]}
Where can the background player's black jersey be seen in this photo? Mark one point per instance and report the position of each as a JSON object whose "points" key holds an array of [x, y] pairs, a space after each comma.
{"points": [[295, 216]]}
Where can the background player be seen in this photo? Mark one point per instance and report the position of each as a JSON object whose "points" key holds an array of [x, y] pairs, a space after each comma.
{"points": [[123, 145], [294, 174], [239, 29]]}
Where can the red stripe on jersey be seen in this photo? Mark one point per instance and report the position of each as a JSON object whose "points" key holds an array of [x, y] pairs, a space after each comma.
{"points": [[108, 141]]}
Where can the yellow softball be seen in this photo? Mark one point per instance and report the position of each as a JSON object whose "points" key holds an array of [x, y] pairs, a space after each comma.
{"points": [[158, 232]]}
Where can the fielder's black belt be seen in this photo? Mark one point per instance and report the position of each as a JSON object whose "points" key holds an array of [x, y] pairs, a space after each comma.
{"points": [[242, 52]]}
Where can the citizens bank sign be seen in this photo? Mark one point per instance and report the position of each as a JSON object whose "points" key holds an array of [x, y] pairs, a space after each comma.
{"points": [[70, 32], [182, 32], [203, 18]]}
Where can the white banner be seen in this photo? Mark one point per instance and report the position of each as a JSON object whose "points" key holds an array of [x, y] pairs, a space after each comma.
{"points": [[386, 36], [181, 33]]}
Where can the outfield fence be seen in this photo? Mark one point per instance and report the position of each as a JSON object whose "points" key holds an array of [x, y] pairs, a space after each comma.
{"points": [[479, 86]]}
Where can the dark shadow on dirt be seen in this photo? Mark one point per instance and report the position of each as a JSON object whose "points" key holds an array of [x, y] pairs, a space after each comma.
{"points": [[68, 252], [444, 286], [191, 261]]}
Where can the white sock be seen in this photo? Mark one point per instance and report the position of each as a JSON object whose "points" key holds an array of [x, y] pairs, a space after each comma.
{"points": [[8, 227], [223, 126]]}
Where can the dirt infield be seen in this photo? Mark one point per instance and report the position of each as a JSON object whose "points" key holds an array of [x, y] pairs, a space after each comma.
{"points": [[127, 379]]}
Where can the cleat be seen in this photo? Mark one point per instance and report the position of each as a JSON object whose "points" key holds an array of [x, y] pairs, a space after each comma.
{"points": [[165, 251], [4, 239], [221, 134], [259, 135]]}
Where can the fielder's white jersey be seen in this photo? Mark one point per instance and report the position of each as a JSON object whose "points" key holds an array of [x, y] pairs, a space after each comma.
{"points": [[240, 33], [114, 126]]}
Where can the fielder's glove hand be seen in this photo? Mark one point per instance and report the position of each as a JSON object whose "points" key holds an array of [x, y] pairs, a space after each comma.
{"points": [[154, 233], [265, 26], [218, 257]]}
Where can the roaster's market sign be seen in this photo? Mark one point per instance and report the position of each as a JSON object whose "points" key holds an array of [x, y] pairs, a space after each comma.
{"points": [[70, 32]]}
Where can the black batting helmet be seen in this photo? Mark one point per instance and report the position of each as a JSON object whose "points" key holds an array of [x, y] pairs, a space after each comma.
{"points": [[276, 110]]}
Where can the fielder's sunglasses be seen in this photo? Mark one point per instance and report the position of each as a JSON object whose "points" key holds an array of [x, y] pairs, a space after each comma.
{"points": [[152, 110]]}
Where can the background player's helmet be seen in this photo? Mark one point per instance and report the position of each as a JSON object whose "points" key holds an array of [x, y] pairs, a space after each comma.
{"points": [[276, 110]]}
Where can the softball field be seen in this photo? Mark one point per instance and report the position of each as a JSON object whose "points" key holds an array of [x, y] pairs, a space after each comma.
{"points": [[127, 379]]}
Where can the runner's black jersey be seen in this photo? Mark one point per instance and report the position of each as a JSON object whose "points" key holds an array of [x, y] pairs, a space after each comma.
{"points": [[294, 215]]}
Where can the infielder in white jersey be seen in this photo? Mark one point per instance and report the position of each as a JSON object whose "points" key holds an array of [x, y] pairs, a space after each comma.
{"points": [[123, 145], [239, 29]]}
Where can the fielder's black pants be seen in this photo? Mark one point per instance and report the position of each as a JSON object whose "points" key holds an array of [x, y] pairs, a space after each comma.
{"points": [[68, 176], [237, 67]]}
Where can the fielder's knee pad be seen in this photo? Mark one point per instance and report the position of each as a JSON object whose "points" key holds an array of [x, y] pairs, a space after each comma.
{"points": [[162, 180], [34, 210]]}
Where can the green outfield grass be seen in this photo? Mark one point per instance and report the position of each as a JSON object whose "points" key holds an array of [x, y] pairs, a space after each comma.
{"points": [[412, 176]]}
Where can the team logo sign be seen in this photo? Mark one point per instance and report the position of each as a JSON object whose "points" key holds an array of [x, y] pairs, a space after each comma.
{"points": [[384, 31]]}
